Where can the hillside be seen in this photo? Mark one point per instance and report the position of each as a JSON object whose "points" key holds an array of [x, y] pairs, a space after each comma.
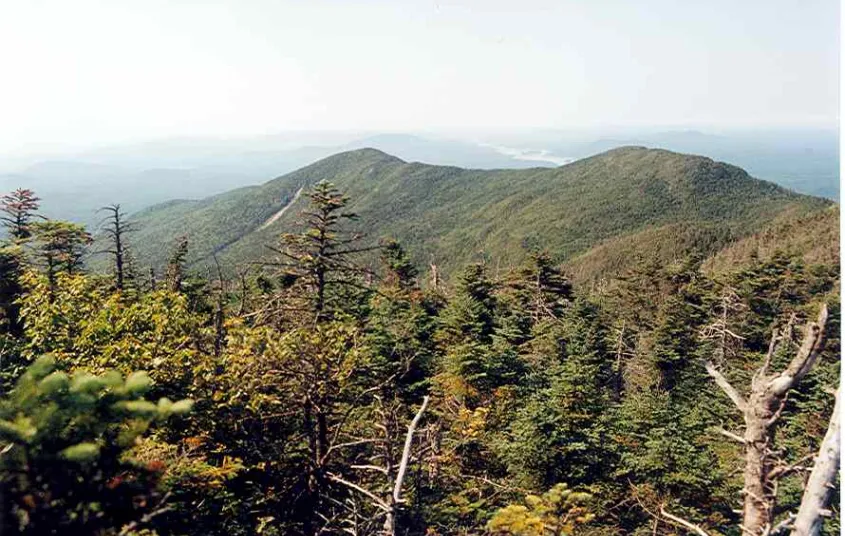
{"points": [[452, 215], [813, 237]]}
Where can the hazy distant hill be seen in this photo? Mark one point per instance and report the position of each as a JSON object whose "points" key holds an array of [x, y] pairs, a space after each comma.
{"points": [[147, 174], [451, 215], [74, 186], [805, 160]]}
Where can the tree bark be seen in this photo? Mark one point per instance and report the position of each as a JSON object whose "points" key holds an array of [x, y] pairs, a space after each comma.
{"points": [[822, 480], [761, 412]]}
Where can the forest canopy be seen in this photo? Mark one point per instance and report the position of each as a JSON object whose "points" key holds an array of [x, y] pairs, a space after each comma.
{"points": [[334, 388]]}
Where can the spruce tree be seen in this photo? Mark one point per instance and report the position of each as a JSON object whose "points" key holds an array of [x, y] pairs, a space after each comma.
{"points": [[20, 208], [319, 262]]}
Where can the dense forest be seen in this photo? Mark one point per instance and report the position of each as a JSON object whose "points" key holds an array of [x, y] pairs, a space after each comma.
{"points": [[454, 216], [331, 387]]}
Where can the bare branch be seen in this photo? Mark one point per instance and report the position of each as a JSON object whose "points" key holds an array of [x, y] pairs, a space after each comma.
{"points": [[376, 501], [376, 468], [729, 390], [406, 452], [683, 522], [822, 479], [806, 356], [731, 435]]}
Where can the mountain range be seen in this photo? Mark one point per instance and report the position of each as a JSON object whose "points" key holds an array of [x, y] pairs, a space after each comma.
{"points": [[596, 214], [73, 186]]}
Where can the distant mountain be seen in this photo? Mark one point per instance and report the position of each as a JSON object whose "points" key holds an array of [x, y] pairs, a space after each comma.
{"points": [[74, 186], [146, 174], [443, 152], [805, 160], [451, 215]]}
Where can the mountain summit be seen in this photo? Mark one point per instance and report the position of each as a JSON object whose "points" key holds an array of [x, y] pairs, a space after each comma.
{"points": [[451, 215]]}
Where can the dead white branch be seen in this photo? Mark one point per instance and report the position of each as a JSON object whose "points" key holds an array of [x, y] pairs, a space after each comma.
{"points": [[683, 522], [723, 383], [822, 480]]}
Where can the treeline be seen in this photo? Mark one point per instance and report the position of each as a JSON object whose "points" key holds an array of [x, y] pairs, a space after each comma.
{"points": [[315, 394]]}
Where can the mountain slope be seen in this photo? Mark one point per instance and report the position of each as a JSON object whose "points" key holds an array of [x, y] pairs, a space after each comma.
{"points": [[451, 215], [813, 237]]}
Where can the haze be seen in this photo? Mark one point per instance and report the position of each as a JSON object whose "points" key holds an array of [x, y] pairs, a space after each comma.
{"points": [[84, 73]]}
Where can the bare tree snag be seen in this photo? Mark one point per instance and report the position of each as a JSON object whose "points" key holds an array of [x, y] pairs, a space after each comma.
{"points": [[396, 498], [761, 410], [390, 501], [116, 229], [822, 480], [435, 276]]}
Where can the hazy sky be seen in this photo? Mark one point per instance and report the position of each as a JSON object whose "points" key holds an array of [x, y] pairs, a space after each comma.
{"points": [[85, 71]]}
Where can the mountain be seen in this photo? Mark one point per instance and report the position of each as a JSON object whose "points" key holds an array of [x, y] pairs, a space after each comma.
{"points": [[802, 159], [443, 152], [143, 175], [451, 215], [73, 186], [812, 236]]}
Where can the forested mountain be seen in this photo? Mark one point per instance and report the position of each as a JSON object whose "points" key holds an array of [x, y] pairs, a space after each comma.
{"points": [[449, 215], [641, 342], [147, 174]]}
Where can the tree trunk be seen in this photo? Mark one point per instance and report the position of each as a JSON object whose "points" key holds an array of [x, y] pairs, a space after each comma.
{"points": [[761, 412], [759, 499], [822, 480]]}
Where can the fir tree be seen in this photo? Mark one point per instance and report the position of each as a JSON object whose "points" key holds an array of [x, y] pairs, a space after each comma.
{"points": [[20, 208]]}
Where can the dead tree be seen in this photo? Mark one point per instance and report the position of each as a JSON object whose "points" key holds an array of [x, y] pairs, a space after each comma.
{"points": [[814, 503], [761, 410], [390, 502], [116, 228]]}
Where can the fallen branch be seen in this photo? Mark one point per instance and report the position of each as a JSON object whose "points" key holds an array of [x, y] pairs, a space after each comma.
{"points": [[683, 522]]}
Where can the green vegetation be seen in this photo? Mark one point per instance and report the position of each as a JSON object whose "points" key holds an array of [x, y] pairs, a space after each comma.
{"points": [[327, 391], [452, 216]]}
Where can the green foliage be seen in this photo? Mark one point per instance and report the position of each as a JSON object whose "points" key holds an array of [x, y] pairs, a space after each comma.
{"points": [[85, 326], [59, 246], [555, 513], [64, 465], [308, 375], [449, 215], [558, 428]]}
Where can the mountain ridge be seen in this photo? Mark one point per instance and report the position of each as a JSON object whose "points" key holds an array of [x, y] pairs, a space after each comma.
{"points": [[450, 215]]}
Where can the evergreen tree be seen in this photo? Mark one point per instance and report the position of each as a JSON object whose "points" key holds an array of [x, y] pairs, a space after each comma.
{"points": [[175, 272], [64, 466], [20, 208], [319, 261], [58, 248]]}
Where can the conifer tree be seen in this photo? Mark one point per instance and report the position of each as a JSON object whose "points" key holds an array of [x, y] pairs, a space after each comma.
{"points": [[10, 291], [63, 468], [20, 208], [319, 261], [58, 248], [175, 272], [116, 229]]}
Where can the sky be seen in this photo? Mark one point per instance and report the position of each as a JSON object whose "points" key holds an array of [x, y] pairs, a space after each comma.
{"points": [[96, 72]]}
